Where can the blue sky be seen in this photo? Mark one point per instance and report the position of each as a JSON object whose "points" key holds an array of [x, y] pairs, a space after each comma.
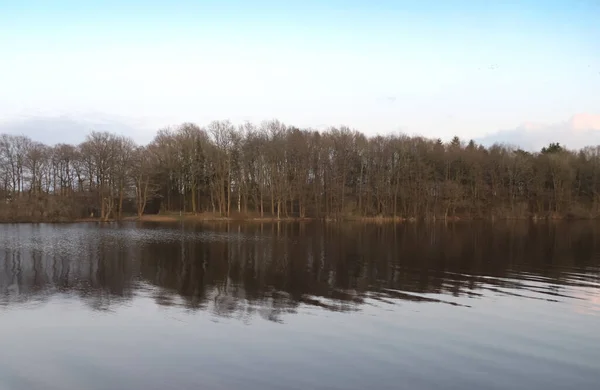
{"points": [[436, 68]]}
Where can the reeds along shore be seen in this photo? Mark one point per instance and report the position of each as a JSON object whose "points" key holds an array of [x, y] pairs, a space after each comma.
{"points": [[273, 171]]}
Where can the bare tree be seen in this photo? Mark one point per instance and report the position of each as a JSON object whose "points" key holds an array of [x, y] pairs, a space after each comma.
{"points": [[143, 165], [290, 172]]}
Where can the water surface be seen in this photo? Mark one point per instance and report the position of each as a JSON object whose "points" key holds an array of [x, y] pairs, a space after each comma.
{"points": [[300, 306]]}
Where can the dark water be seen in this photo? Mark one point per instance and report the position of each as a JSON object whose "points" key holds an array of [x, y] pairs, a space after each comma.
{"points": [[468, 306]]}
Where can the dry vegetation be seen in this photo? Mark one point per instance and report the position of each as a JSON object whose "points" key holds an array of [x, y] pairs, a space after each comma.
{"points": [[273, 171]]}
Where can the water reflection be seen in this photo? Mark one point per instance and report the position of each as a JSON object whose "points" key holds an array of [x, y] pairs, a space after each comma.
{"points": [[269, 270]]}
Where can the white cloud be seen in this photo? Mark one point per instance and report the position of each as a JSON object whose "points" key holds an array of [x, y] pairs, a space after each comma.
{"points": [[579, 131], [56, 129]]}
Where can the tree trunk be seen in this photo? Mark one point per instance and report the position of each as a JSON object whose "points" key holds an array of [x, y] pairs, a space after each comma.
{"points": [[121, 191], [194, 199]]}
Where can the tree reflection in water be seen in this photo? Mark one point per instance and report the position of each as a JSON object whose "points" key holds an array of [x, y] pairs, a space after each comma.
{"points": [[269, 270]]}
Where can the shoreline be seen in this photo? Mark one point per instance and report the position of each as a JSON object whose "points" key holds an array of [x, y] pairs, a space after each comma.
{"points": [[171, 218]]}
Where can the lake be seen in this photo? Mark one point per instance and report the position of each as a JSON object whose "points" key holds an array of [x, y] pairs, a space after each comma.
{"points": [[300, 306]]}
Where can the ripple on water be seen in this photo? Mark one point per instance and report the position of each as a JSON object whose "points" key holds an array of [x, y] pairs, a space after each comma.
{"points": [[149, 307]]}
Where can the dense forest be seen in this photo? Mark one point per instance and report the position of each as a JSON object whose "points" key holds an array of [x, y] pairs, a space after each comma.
{"points": [[275, 171]]}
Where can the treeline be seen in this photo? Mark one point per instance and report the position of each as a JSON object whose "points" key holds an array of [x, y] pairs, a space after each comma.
{"points": [[273, 170]]}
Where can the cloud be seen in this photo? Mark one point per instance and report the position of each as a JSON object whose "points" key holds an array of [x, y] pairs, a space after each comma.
{"points": [[52, 130], [585, 122], [579, 131]]}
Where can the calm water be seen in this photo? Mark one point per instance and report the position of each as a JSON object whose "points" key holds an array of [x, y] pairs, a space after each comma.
{"points": [[468, 306]]}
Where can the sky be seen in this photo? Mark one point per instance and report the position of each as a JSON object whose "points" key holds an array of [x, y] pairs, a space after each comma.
{"points": [[433, 68]]}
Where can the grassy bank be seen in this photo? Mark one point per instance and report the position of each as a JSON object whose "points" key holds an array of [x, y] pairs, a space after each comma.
{"points": [[253, 218]]}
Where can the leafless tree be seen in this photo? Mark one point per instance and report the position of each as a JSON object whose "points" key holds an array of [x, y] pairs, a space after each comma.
{"points": [[278, 171]]}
